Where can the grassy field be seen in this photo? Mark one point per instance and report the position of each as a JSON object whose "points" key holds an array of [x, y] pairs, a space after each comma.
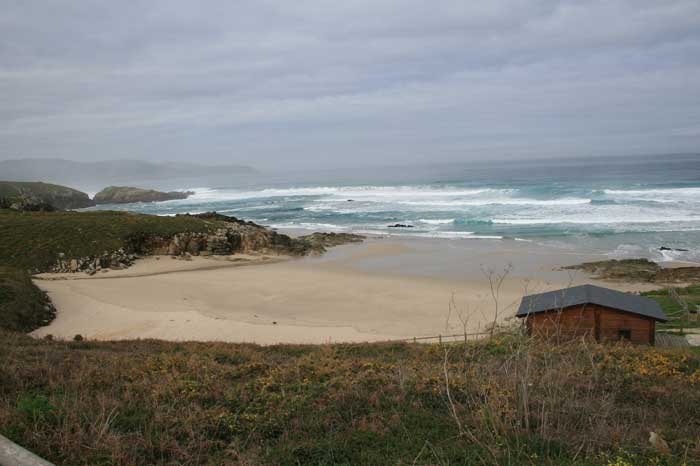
{"points": [[23, 307], [508, 401], [32, 240], [674, 310]]}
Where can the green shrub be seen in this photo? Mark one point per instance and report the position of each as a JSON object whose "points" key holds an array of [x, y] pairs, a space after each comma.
{"points": [[23, 306], [36, 408]]}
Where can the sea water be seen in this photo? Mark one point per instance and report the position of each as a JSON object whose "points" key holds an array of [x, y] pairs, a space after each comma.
{"points": [[626, 207]]}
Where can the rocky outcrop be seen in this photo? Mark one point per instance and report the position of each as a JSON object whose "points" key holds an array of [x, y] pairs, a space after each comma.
{"points": [[399, 225], [116, 260], [26, 204], [31, 196], [231, 236], [128, 195], [638, 270], [320, 241], [228, 235]]}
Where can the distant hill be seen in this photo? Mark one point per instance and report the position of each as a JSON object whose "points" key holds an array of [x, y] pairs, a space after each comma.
{"points": [[60, 197], [96, 175]]}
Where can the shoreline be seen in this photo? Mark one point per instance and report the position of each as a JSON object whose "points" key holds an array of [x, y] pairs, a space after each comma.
{"points": [[382, 289]]}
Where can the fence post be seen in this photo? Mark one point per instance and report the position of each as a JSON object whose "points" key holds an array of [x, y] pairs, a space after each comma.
{"points": [[440, 339]]}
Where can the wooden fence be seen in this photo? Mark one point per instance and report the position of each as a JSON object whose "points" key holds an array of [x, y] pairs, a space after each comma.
{"points": [[443, 338]]}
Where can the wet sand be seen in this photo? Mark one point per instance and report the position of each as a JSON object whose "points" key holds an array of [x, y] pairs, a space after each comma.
{"points": [[383, 289]]}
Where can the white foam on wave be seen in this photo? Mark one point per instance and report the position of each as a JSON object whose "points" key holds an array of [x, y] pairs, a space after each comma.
{"points": [[660, 195], [456, 235], [427, 205], [438, 221], [342, 192], [410, 233], [308, 226], [594, 220], [499, 201], [664, 191], [384, 231]]}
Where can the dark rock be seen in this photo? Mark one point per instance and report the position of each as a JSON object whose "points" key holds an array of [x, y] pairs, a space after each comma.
{"points": [[400, 225], [665, 248]]}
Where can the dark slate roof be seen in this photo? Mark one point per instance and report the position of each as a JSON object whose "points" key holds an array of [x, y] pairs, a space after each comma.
{"points": [[591, 294]]}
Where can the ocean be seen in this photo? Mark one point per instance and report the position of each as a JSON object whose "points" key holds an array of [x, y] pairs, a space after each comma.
{"points": [[624, 207]]}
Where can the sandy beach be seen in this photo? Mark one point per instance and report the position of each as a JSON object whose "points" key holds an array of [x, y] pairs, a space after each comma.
{"points": [[382, 289]]}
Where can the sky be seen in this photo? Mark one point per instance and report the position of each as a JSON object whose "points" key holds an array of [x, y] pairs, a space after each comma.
{"points": [[313, 83]]}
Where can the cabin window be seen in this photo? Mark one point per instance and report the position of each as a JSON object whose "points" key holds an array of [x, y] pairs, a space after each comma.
{"points": [[624, 334]]}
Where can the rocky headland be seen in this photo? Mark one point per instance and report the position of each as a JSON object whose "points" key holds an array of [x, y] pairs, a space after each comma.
{"points": [[128, 195], [25, 196]]}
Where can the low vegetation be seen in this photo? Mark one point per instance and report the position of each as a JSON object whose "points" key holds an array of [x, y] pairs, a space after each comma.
{"points": [[506, 401], [681, 305], [34, 240], [23, 306]]}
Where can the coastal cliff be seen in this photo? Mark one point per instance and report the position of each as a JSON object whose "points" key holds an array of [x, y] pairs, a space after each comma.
{"points": [[128, 195]]}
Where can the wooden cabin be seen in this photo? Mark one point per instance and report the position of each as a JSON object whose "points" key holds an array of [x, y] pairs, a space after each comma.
{"points": [[591, 311]]}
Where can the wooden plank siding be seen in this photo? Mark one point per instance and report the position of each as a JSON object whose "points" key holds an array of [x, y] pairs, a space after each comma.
{"points": [[599, 323]]}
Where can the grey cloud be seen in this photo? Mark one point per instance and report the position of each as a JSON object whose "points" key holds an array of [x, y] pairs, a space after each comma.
{"points": [[277, 82]]}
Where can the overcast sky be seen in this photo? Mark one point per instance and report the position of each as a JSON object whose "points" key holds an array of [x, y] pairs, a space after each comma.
{"points": [[333, 83]]}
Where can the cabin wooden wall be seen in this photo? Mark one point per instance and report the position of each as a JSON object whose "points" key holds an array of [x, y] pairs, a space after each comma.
{"points": [[590, 320], [570, 323]]}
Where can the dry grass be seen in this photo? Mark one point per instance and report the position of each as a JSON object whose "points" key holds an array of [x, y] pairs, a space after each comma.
{"points": [[507, 401]]}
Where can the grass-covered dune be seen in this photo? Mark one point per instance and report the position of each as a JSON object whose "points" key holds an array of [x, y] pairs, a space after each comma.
{"points": [[23, 306], [60, 197], [508, 401], [33, 240]]}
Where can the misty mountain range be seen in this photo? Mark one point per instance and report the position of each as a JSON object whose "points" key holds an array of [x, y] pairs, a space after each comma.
{"points": [[97, 175]]}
